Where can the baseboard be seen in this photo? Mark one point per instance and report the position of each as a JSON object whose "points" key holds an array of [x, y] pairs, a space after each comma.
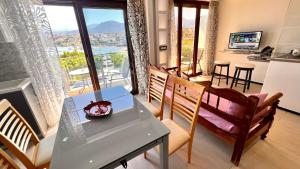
{"points": [[288, 110], [240, 79]]}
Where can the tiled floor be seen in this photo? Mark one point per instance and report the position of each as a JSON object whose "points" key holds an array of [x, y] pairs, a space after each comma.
{"points": [[280, 150]]}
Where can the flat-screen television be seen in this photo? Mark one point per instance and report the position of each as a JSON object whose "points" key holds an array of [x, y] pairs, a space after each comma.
{"points": [[245, 40]]}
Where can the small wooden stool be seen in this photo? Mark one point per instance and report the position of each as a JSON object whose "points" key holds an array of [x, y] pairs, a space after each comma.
{"points": [[243, 67], [221, 64]]}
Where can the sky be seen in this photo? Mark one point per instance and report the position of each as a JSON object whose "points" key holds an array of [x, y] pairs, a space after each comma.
{"points": [[62, 18]]}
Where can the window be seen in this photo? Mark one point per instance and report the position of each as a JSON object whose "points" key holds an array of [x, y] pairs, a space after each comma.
{"points": [[92, 43], [191, 21]]}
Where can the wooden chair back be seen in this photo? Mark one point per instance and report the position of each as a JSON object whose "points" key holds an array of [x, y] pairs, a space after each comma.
{"points": [[6, 162], [185, 101], [157, 86], [16, 133], [244, 107]]}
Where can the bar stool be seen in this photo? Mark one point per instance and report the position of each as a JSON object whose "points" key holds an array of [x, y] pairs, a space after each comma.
{"points": [[243, 67], [221, 64]]}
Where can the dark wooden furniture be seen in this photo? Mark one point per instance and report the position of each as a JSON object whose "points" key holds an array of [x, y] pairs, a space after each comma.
{"points": [[243, 67], [234, 117], [219, 76], [246, 118]]}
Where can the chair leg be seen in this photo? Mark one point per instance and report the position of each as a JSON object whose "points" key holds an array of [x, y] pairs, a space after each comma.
{"points": [[238, 77], [213, 74], [145, 154], [246, 80], [190, 144], [248, 87], [234, 76], [220, 75], [227, 76]]}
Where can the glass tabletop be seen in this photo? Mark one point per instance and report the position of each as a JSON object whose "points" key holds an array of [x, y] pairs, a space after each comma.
{"points": [[87, 143]]}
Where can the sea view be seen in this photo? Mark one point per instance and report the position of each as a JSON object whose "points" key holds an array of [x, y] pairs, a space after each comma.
{"points": [[96, 50]]}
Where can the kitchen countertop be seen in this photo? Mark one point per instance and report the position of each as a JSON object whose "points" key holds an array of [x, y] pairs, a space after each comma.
{"points": [[286, 58], [13, 85]]}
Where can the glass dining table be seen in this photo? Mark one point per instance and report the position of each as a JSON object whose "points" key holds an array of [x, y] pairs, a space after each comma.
{"points": [[93, 143]]}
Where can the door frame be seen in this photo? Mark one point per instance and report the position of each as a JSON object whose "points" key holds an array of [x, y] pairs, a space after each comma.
{"points": [[78, 6], [190, 4]]}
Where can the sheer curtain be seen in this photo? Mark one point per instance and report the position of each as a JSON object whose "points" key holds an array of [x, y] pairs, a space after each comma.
{"points": [[211, 38], [138, 34], [25, 23]]}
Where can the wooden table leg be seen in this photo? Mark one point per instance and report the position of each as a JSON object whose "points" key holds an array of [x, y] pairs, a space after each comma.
{"points": [[164, 153]]}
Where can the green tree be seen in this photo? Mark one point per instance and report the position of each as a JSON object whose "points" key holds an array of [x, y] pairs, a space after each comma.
{"points": [[72, 60], [117, 58]]}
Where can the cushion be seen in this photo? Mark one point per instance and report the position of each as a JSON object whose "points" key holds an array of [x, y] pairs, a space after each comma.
{"points": [[261, 96], [154, 110], [44, 153], [218, 121], [258, 115], [178, 136]]}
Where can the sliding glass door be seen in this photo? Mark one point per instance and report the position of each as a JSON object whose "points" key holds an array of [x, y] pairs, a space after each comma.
{"points": [[107, 36], [92, 42], [191, 20]]}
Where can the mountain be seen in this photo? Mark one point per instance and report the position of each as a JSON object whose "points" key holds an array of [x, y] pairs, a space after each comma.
{"points": [[107, 27], [104, 27]]}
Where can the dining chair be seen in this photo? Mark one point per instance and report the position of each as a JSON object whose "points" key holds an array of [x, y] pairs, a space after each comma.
{"points": [[6, 162], [185, 101], [17, 135], [156, 90]]}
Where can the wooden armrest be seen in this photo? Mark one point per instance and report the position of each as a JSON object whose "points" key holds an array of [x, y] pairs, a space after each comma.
{"points": [[171, 68], [269, 102]]}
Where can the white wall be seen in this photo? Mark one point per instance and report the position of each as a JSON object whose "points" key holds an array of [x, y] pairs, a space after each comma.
{"points": [[249, 15]]}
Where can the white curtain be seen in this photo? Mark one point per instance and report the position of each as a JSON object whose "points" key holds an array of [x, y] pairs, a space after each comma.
{"points": [[25, 23], [211, 38], [138, 34]]}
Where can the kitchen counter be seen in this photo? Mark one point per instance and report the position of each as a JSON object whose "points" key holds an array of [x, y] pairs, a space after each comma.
{"points": [[286, 58], [283, 75], [13, 85]]}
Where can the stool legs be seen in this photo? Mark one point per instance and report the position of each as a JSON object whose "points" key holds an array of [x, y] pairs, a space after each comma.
{"points": [[220, 75], [238, 77], [249, 80], [234, 76], [246, 81], [213, 74], [227, 75]]}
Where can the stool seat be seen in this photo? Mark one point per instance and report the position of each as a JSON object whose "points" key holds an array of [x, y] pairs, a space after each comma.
{"points": [[222, 62], [245, 65]]}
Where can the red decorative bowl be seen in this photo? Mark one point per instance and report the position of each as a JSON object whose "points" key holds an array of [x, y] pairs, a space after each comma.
{"points": [[98, 109]]}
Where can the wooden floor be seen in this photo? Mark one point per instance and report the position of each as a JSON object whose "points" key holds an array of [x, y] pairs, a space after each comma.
{"points": [[280, 150]]}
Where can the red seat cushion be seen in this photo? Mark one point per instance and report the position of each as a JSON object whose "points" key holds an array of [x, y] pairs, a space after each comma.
{"points": [[218, 121]]}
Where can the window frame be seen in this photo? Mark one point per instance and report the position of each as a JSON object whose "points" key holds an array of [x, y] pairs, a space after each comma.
{"points": [[78, 6], [190, 4]]}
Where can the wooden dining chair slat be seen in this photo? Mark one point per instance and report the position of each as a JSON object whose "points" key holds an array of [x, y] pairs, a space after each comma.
{"points": [[156, 90], [16, 134], [183, 105], [6, 161]]}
